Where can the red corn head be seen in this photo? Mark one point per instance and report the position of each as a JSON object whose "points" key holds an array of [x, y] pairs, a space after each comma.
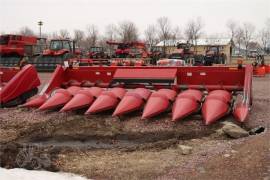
{"points": [[158, 102], [216, 106], [132, 101], [107, 100], [241, 112], [186, 103], [35, 102], [73, 90], [59, 98], [83, 98]]}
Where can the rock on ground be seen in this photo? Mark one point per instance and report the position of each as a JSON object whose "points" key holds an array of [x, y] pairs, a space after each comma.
{"points": [[234, 130], [185, 150]]}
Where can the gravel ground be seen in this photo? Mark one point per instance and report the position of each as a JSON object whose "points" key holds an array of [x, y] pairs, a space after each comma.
{"points": [[102, 147]]}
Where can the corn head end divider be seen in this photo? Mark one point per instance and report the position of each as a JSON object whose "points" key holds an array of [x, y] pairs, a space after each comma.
{"points": [[212, 91], [17, 85]]}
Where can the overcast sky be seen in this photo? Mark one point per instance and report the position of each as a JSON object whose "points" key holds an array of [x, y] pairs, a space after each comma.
{"points": [[76, 14]]}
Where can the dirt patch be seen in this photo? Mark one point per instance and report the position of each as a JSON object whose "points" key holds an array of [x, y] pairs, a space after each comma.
{"points": [[245, 159]]}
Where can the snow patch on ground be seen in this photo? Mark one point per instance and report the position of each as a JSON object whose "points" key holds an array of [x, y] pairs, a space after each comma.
{"points": [[23, 174]]}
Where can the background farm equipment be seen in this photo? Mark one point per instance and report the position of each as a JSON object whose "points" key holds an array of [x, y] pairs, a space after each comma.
{"points": [[13, 48], [128, 53], [170, 62], [98, 53], [260, 69], [60, 50], [183, 52], [152, 89], [213, 56], [16, 85], [179, 57], [99, 56], [129, 49], [183, 55], [156, 53]]}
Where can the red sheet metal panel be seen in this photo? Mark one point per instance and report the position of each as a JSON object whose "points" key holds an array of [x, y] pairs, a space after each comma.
{"points": [[145, 74], [7, 73], [56, 80], [91, 73], [230, 78], [206, 76], [219, 76]]}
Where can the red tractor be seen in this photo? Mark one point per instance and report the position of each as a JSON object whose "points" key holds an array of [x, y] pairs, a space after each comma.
{"points": [[60, 50], [135, 53], [130, 49], [14, 47]]}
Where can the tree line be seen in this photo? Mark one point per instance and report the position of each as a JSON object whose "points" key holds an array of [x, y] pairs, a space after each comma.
{"points": [[244, 33], [162, 30]]}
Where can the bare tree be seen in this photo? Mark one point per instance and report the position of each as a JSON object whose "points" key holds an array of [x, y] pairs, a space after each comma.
{"points": [[176, 33], [164, 30], [110, 35], [102, 42], [232, 26], [54, 35], [248, 32], [239, 33], [267, 29], [111, 32], [264, 37], [91, 36], [189, 33], [26, 31], [63, 33], [151, 35], [128, 31], [78, 37], [193, 31]]}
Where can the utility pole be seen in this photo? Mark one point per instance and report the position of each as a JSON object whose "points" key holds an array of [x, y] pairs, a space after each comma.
{"points": [[40, 23]]}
